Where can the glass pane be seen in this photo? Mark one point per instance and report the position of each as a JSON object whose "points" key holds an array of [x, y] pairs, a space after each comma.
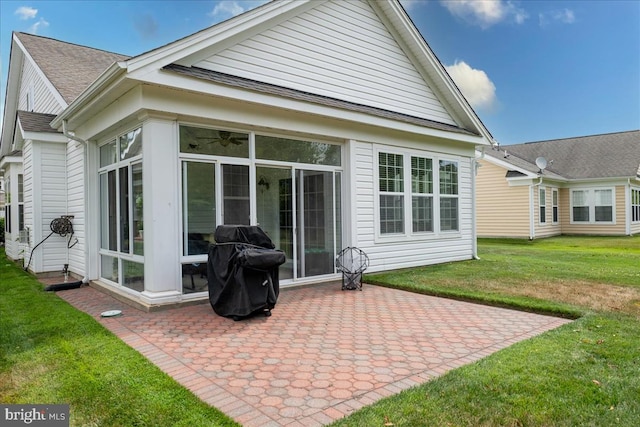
{"points": [[133, 275], [581, 214], [109, 268], [421, 175], [579, 198], [235, 180], [543, 197], [604, 214], [108, 154], [604, 197], [543, 214], [338, 197], [391, 173], [290, 150], [391, 214], [124, 209], [448, 214], [131, 144], [20, 188], [275, 211], [138, 218], [315, 219], [213, 142], [554, 197], [108, 212], [422, 213], [448, 177], [194, 277], [198, 207]]}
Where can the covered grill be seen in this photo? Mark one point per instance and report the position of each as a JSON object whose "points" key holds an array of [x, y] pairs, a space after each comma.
{"points": [[242, 270]]}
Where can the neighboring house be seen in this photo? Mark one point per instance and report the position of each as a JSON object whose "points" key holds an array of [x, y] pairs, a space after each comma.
{"points": [[591, 185], [328, 123]]}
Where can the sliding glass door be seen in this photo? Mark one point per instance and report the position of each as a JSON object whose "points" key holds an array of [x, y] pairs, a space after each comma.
{"points": [[299, 210]]}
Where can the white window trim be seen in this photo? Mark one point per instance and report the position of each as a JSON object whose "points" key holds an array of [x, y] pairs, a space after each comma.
{"points": [[592, 207], [408, 234]]}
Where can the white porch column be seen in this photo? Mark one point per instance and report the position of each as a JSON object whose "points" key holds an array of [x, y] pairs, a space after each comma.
{"points": [[161, 210]]}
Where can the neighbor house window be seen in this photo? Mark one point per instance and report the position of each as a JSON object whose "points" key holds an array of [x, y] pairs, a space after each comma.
{"points": [[391, 187], [592, 205], [635, 205], [448, 195], [121, 210], [542, 204], [554, 205]]}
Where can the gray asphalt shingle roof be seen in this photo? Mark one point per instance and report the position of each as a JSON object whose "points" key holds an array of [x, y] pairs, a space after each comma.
{"points": [[71, 68], [612, 155], [36, 122]]}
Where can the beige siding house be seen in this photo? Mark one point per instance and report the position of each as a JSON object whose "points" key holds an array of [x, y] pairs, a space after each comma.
{"points": [[329, 123], [586, 185]]}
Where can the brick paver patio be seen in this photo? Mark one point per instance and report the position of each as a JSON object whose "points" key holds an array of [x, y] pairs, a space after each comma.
{"points": [[322, 355]]}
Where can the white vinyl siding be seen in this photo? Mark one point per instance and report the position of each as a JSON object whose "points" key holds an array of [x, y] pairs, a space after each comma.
{"points": [[75, 204], [339, 49]]}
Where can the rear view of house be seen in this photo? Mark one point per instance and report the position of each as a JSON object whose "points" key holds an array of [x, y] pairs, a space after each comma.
{"points": [[328, 123], [585, 185]]}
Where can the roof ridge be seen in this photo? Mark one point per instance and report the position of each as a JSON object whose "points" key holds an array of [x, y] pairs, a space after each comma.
{"points": [[579, 137]]}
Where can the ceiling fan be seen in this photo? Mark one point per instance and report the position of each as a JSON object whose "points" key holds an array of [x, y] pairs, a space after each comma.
{"points": [[225, 138]]}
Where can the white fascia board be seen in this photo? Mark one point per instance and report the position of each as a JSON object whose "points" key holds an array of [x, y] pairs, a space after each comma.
{"points": [[590, 182], [243, 95], [11, 98], [195, 47], [45, 137], [510, 166], [10, 159], [444, 85]]}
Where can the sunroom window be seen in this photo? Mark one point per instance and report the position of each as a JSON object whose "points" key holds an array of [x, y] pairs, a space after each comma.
{"points": [[121, 210]]}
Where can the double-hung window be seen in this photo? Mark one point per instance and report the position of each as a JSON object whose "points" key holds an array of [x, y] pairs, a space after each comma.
{"points": [[448, 177], [416, 190], [592, 205], [635, 205], [391, 187], [542, 204], [554, 205], [421, 194]]}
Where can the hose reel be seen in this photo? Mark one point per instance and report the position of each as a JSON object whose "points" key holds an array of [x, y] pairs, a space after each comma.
{"points": [[61, 226]]}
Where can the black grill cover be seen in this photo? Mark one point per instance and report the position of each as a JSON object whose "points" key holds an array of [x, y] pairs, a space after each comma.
{"points": [[242, 270]]}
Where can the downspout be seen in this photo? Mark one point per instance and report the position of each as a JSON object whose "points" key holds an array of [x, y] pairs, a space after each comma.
{"points": [[474, 227], [71, 136], [532, 210]]}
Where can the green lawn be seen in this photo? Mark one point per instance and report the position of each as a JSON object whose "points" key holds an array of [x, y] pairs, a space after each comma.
{"points": [[586, 373], [52, 353]]}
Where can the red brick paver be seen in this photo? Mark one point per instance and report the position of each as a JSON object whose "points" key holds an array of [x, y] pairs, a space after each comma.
{"points": [[324, 352]]}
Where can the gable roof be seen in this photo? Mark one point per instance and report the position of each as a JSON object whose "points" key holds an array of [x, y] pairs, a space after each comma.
{"points": [[612, 155], [192, 50], [70, 68]]}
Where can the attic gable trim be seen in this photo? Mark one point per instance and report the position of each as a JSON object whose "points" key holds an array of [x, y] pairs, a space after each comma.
{"points": [[240, 82]]}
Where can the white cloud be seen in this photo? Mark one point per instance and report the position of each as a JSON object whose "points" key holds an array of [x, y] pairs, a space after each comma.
{"points": [[25, 12], [474, 84], [225, 9], [41, 24], [485, 13], [564, 16]]}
